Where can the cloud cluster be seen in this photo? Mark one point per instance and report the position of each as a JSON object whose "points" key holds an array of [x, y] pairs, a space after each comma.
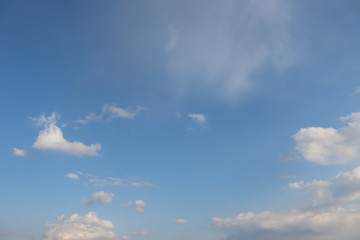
{"points": [[87, 227], [51, 138], [330, 224], [343, 188], [110, 112], [329, 146], [227, 42]]}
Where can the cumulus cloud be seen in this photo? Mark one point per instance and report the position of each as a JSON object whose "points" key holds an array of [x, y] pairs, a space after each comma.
{"points": [[51, 138], [87, 227], [343, 188], [230, 41], [72, 176], [329, 146], [103, 197], [330, 224], [198, 118], [181, 221], [21, 153]]}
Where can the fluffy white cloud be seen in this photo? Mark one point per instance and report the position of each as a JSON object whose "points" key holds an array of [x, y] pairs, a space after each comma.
{"points": [[181, 221], [103, 197], [87, 227], [21, 153], [343, 188], [330, 146], [72, 176], [198, 118], [329, 224], [226, 42], [51, 138]]}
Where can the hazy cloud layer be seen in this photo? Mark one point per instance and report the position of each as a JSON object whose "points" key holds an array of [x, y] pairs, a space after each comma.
{"points": [[222, 44], [51, 138], [87, 227], [329, 146]]}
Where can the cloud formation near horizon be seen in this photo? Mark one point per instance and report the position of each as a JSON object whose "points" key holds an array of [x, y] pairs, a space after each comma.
{"points": [[87, 227]]}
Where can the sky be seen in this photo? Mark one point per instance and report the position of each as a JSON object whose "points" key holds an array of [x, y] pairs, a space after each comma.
{"points": [[199, 120]]}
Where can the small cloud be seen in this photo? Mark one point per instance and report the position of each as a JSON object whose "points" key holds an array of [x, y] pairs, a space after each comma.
{"points": [[198, 118], [51, 138], [21, 153], [138, 205], [141, 184], [103, 197], [72, 176], [181, 221]]}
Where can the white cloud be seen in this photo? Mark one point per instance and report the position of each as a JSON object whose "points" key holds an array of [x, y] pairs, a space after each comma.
{"points": [[72, 176], [103, 197], [356, 91], [51, 138], [222, 44], [198, 118], [329, 224], [181, 221], [344, 188], [328, 146], [87, 227], [21, 153]]}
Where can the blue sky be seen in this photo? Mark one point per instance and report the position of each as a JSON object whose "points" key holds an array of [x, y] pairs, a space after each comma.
{"points": [[206, 120]]}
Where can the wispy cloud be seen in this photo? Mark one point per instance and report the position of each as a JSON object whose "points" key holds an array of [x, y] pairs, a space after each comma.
{"points": [[222, 46], [51, 138], [137, 205], [103, 197], [110, 112], [107, 181]]}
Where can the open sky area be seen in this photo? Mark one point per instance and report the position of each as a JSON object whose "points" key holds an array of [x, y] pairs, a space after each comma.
{"points": [[180, 119]]}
